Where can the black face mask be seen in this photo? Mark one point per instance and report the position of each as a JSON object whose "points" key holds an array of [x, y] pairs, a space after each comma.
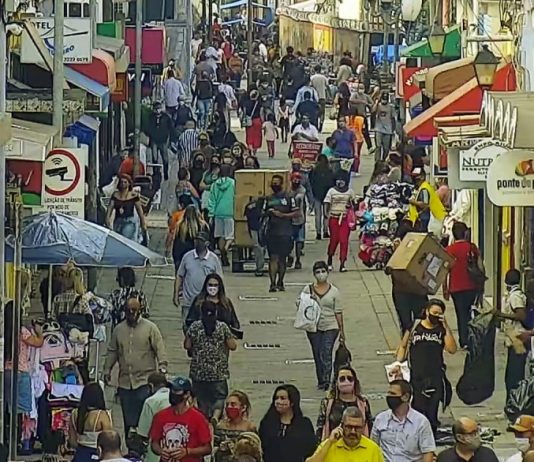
{"points": [[393, 402], [434, 320], [276, 188], [175, 398]]}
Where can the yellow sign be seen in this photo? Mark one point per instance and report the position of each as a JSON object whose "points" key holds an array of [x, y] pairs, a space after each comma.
{"points": [[322, 38]]}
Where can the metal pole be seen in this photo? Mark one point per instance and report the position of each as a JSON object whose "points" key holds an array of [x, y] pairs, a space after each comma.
{"points": [[210, 20], [3, 71], [59, 74], [397, 37], [137, 96], [94, 19], [204, 21], [250, 26]]}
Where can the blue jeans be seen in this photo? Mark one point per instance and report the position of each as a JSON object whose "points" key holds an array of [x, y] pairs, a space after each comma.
{"points": [[322, 344], [126, 227], [203, 112]]}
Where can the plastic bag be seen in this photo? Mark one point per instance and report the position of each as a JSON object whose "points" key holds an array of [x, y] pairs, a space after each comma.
{"points": [[398, 371], [308, 313], [521, 400], [477, 383]]}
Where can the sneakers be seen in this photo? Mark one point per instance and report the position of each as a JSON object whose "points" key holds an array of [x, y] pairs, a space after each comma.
{"points": [[281, 287], [272, 288], [326, 235], [298, 265], [318, 237], [342, 268], [290, 261]]}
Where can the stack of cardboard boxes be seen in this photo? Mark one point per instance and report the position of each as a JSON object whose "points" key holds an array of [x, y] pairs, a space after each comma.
{"points": [[249, 185]]}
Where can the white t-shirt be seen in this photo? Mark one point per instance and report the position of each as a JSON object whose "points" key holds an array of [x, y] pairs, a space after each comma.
{"points": [[195, 46], [515, 458], [338, 201], [263, 51], [310, 131], [514, 300]]}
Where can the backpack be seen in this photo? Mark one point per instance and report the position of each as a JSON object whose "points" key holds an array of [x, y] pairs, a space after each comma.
{"points": [[475, 267]]}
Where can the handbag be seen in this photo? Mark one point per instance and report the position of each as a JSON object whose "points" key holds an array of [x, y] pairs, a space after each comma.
{"points": [[351, 218], [246, 120], [475, 267], [308, 312]]}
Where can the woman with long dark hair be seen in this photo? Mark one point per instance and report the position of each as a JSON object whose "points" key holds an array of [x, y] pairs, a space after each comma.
{"points": [[286, 435], [87, 422], [187, 229], [214, 292], [342, 100], [345, 392], [209, 342]]}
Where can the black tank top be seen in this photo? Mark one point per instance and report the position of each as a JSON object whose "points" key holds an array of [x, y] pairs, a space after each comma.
{"points": [[426, 351]]}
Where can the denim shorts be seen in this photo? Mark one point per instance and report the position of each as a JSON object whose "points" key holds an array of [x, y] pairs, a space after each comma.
{"points": [[299, 233]]}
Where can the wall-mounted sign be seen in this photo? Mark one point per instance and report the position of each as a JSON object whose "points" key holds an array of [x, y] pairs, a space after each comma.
{"points": [[77, 42], [510, 181], [64, 181], [27, 177], [475, 161], [409, 84]]}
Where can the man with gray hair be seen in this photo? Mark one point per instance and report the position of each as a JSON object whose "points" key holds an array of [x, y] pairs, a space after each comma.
{"points": [[346, 442]]}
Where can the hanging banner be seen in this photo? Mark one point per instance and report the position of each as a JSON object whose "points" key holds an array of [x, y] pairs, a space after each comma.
{"points": [[510, 181], [64, 181], [409, 85], [475, 161]]}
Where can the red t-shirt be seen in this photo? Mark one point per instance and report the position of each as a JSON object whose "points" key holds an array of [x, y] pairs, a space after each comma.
{"points": [[459, 279], [172, 430]]}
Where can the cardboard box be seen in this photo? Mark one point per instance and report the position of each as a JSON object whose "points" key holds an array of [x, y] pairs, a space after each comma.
{"points": [[241, 235], [240, 202], [420, 263]]}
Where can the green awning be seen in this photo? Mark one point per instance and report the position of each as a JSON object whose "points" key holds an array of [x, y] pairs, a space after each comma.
{"points": [[451, 49]]}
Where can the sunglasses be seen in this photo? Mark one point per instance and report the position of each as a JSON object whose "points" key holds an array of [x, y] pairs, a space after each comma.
{"points": [[346, 378], [213, 285]]}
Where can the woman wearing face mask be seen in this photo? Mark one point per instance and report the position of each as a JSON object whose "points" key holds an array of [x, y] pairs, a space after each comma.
{"points": [[251, 163], [238, 153], [196, 171], [345, 392], [234, 423], [330, 323], [210, 176], [214, 292], [125, 203], [337, 202], [209, 343], [424, 345], [286, 435]]}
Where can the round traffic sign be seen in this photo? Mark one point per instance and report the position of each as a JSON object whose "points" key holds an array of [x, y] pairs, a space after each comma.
{"points": [[62, 172]]}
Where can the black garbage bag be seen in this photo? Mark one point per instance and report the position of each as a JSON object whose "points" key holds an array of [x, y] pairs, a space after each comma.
{"points": [[521, 400], [477, 383]]}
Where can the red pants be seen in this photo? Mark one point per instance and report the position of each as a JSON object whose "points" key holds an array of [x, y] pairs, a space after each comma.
{"points": [[339, 234]]}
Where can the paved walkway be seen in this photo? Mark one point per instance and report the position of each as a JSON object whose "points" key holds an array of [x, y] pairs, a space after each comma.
{"points": [[274, 352]]}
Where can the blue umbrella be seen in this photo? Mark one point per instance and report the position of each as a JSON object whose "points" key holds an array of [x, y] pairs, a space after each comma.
{"points": [[56, 239]]}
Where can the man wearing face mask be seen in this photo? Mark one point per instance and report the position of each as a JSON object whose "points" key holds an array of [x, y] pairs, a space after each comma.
{"points": [[403, 433], [158, 401], [346, 443], [524, 437], [180, 432], [298, 192], [137, 346], [468, 445], [191, 274], [160, 127], [279, 209], [384, 126]]}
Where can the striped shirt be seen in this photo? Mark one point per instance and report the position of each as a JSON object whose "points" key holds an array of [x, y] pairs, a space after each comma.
{"points": [[187, 143]]}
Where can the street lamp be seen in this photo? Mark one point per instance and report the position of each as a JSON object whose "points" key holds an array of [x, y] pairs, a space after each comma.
{"points": [[410, 9], [436, 40], [485, 65]]}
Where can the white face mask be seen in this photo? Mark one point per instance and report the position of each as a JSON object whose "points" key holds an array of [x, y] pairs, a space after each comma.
{"points": [[212, 291], [321, 276], [522, 444]]}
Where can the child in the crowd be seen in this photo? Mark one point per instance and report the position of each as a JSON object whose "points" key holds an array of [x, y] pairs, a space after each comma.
{"points": [[184, 186], [356, 122], [271, 133], [54, 446], [283, 119], [328, 149]]}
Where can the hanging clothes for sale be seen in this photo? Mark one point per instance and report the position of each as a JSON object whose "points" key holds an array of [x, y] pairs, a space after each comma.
{"points": [[477, 383]]}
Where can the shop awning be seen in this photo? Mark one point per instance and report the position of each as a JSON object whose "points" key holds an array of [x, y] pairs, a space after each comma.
{"points": [[90, 86], [116, 48], [452, 48], [443, 79], [101, 70], [449, 135], [85, 129], [29, 140], [464, 100], [308, 6]]}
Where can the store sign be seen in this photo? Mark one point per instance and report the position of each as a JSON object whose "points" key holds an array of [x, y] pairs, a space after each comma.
{"points": [[64, 181], [120, 93], [475, 161], [409, 84], [77, 42], [510, 181], [26, 177], [499, 118], [307, 151]]}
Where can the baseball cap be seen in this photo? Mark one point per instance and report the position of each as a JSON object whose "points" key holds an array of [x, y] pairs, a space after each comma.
{"points": [[524, 423], [203, 236], [296, 176], [179, 383], [203, 136]]}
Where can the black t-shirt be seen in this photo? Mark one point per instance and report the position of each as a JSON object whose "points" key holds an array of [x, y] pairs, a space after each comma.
{"points": [[204, 89], [482, 454], [253, 215], [426, 352], [282, 202]]}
